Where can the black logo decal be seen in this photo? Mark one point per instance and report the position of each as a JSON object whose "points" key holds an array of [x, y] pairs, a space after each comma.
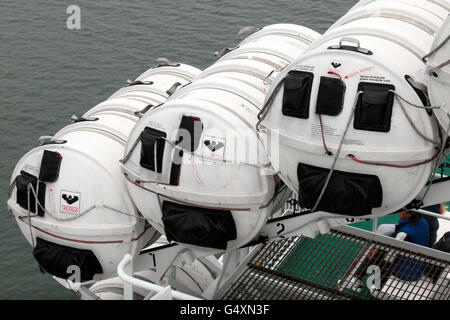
{"points": [[213, 145], [336, 64], [70, 199]]}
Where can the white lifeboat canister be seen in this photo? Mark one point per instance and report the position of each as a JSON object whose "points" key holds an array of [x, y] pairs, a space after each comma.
{"points": [[356, 135], [438, 74], [68, 195], [196, 167]]}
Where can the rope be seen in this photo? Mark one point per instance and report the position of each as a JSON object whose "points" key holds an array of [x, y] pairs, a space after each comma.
{"points": [[351, 156], [128, 156], [441, 144], [11, 188], [439, 160], [30, 187], [137, 183], [266, 107], [327, 181], [431, 71], [398, 98], [412, 104], [29, 214], [439, 47], [328, 152]]}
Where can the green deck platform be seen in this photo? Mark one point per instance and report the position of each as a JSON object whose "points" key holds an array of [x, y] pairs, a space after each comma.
{"points": [[323, 262]]}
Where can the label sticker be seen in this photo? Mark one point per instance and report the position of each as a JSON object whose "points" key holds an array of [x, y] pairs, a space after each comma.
{"points": [[316, 130], [213, 148], [70, 202], [353, 141], [335, 67], [374, 78], [304, 68], [360, 72]]}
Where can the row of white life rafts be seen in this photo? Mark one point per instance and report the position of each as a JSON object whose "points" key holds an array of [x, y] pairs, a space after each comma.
{"points": [[199, 168], [69, 196], [344, 126]]}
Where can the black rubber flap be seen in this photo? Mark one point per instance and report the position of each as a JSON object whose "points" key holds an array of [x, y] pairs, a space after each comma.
{"points": [[197, 226], [175, 171], [297, 94], [347, 193], [189, 133], [153, 144], [374, 108], [330, 99], [22, 181], [56, 259], [50, 165], [444, 243]]}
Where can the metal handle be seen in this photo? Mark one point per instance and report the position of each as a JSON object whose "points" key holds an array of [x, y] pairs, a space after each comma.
{"points": [[356, 48], [352, 40]]}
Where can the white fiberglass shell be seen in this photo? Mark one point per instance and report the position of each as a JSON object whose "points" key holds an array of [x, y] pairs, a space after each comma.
{"points": [[88, 207], [389, 9], [362, 48], [234, 176], [290, 40], [438, 75], [411, 11]]}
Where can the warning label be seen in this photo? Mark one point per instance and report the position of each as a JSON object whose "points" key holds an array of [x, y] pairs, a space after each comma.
{"points": [[316, 129], [360, 72], [70, 202], [213, 148], [375, 79], [305, 68]]}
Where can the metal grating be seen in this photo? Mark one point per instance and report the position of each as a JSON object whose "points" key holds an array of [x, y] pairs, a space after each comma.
{"points": [[334, 267]]}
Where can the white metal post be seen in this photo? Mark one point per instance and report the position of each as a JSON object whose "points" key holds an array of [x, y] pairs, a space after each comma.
{"points": [[374, 225], [128, 287]]}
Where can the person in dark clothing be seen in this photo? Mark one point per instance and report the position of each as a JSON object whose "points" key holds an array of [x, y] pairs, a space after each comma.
{"points": [[412, 227], [415, 226], [433, 222]]}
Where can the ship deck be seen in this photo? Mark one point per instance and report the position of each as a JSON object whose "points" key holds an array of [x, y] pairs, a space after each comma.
{"points": [[301, 268]]}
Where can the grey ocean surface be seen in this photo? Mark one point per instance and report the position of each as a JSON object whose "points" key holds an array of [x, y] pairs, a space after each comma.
{"points": [[48, 73]]}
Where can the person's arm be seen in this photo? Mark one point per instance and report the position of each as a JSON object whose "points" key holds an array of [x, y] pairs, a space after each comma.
{"points": [[401, 236]]}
